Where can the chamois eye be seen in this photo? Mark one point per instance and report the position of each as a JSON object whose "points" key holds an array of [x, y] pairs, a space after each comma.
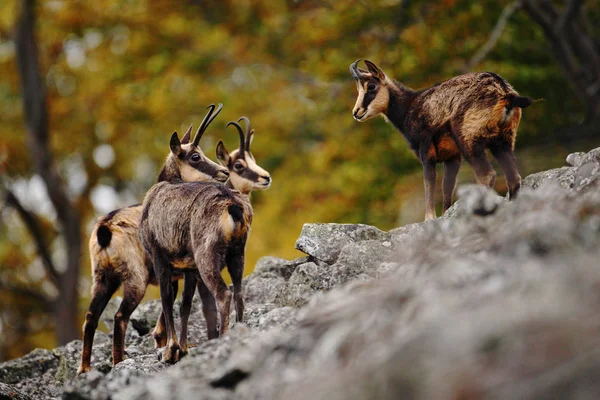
{"points": [[238, 166], [195, 157], [371, 86]]}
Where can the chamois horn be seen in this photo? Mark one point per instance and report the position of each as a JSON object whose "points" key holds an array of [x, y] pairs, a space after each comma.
{"points": [[242, 139]]}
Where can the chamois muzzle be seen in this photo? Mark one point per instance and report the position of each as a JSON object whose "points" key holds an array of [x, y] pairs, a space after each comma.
{"points": [[222, 176], [359, 117], [266, 181]]}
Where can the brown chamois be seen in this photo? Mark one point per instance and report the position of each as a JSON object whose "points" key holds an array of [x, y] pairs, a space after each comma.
{"points": [[463, 115], [117, 255], [197, 226], [245, 176]]}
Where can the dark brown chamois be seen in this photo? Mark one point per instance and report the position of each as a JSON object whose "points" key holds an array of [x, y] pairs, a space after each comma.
{"points": [[116, 253], [463, 115], [195, 226], [245, 176]]}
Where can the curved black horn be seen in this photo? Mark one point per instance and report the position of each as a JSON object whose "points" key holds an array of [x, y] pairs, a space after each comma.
{"points": [[202, 125], [210, 116], [247, 134], [241, 132], [356, 74]]}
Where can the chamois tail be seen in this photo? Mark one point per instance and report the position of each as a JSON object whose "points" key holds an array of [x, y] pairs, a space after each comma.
{"points": [[236, 212], [518, 101], [104, 235]]}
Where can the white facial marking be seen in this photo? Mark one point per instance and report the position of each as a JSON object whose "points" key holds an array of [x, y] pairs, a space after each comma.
{"points": [[191, 174], [358, 112], [254, 166], [245, 185]]}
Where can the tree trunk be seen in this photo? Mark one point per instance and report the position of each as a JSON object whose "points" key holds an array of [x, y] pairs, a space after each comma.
{"points": [[36, 118], [576, 50]]}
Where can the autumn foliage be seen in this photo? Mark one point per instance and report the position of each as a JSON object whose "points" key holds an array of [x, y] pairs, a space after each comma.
{"points": [[121, 76]]}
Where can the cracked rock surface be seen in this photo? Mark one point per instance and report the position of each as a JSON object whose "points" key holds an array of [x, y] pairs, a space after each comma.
{"points": [[496, 299]]}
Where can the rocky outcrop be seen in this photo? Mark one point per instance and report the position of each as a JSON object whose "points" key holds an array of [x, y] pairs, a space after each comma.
{"points": [[496, 299]]}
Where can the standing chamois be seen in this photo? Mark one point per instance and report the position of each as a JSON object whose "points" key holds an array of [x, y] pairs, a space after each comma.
{"points": [[116, 253], [197, 226], [245, 176], [463, 115]]}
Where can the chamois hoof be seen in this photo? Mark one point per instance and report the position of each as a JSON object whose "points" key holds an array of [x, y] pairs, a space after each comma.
{"points": [[171, 354], [83, 369], [183, 352]]}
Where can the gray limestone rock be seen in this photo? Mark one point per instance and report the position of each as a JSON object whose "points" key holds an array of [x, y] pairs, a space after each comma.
{"points": [[498, 299], [32, 365], [325, 241], [9, 392]]}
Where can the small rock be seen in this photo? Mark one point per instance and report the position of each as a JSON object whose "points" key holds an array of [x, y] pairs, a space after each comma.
{"points": [[478, 200], [325, 241], [278, 266], [306, 280], [33, 364], [564, 176], [574, 159], [261, 289]]}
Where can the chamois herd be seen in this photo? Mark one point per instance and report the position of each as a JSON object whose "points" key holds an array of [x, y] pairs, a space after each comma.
{"points": [[196, 219]]}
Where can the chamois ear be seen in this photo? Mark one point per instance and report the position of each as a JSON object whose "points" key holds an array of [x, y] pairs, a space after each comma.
{"points": [[222, 154], [175, 144], [375, 70], [186, 138]]}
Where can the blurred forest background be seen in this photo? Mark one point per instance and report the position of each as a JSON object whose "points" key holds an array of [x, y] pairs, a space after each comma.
{"points": [[116, 77]]}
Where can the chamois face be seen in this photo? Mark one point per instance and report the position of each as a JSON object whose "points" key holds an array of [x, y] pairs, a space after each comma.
{"points": [[244, 174], [373, 91], [193, 165]]}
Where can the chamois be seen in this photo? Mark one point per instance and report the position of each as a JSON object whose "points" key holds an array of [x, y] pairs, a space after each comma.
{"points": [[117, 255], [245, 176], [463, 115], [203, 226]]}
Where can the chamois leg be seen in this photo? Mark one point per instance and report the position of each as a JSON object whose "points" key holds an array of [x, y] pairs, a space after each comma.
{"points": [[209, 309], [429, 180], [133, 294], [189, 286], [162, 270], [209, 264], [102, 291], [159, 333], [484, 172], [235, 265], [451, 168], [507, 162]]}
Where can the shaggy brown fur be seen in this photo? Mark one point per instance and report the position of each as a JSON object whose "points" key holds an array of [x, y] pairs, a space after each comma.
{"points": [[223, 239], [117, 255], [463, 115], [245, 176], [196, 225]]}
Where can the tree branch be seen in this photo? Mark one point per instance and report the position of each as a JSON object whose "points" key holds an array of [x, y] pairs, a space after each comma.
{"points": [[31, 222], [46, 303], [573, 46], [538, 15], [571, 11], [508, 11]]}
